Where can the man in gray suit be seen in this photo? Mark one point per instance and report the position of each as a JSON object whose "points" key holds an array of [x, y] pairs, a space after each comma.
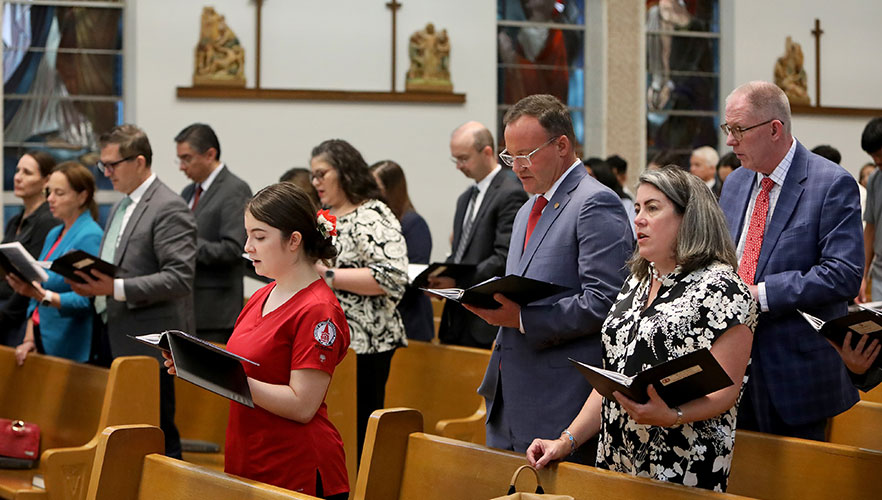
{"points": [[568, 233], [481, 229], [151, 238], [217, 198]]}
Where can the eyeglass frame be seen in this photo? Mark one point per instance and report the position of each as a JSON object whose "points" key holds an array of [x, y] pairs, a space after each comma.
{"points": [[510, 159], [738, 132], [111, 166]]}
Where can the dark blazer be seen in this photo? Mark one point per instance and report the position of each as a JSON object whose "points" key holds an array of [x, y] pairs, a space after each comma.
{"points": [[218, 292], [156, 257], [487, 249], [579, 243], [812, 260], [415, 307]]}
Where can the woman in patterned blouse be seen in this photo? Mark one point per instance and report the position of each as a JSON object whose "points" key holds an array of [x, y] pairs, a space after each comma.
{"points": [[370, 272], [683, 295]]}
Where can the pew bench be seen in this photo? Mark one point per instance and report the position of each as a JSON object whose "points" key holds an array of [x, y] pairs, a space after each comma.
{"points": [[860, 426], [873, 396], [129, 464], [72, 403], [441, 381], [399, 461], [783, 468], [202, 415]]}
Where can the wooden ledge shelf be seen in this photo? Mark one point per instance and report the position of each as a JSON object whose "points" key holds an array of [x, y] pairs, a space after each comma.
{"points": [[802, 109], [317, 95]]}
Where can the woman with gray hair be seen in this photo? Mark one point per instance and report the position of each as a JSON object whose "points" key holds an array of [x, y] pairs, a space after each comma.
{"points": [[683, 295]]}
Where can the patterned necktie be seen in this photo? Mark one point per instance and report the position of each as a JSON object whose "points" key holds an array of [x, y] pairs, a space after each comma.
{"points": [[108, 251], [754, 241], [466, 226], [535, 213], [196, 196]]}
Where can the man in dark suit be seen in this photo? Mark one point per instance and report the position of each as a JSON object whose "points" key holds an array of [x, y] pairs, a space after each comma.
{"points": [[795, 219], [569, 233], [151, 238], [217, 198], [481, 230]]}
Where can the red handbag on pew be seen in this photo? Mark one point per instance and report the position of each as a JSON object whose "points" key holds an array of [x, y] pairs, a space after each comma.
{"points": [[19, 439]]}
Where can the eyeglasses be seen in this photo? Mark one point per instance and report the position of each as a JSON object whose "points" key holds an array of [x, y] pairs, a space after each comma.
{"points": [[110, 166], [523, 161], [738, 132], [318, 175], [184, 159], [461, 160]]}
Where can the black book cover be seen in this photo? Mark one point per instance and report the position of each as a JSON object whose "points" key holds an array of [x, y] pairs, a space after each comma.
{"points": [[516, 288], [204, 364], [78, 260], [677, 381], [865, 321], [439, 269]]}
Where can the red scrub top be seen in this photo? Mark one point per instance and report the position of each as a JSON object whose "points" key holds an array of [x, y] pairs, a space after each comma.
{"points": [[309, 331]]}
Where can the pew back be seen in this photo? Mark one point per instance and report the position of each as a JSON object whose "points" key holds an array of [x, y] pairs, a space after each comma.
{"points": [[860, 426]]}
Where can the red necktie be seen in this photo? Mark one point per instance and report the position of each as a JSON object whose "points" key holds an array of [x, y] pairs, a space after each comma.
{"points": [[196, 196], [535, 213], [754, 241]]}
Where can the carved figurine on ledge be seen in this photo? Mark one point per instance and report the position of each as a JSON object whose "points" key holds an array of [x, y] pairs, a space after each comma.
{"points": [[429, 61], [220, 58], [790, 75]]}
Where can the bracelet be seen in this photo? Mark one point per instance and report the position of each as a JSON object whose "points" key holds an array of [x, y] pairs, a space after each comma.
{"points": [[572, 440], [679, 416]]}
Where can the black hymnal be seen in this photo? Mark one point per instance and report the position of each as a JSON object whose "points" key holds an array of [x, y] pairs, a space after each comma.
{"points": [[516, 288], [677, 381], [866, 321], [204, 364], [419, 274], [77, 260], [15, 259]]}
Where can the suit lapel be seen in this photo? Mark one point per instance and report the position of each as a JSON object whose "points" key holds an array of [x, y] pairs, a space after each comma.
{"points": [[489, 196], [552, 211], [791, 191], [208, 194], [461, 203], [132, 223]]}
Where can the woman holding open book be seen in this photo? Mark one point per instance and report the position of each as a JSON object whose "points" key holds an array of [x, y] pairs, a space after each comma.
{"points": [[296, 331], [60, 321], [683, 295]]}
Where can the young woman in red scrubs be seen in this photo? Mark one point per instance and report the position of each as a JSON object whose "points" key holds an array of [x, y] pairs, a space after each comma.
{"points": [[295, 329]]}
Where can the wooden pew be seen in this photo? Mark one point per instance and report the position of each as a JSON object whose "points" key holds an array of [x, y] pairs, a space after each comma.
{"points": [[399, 461], [874, 396], [128, 465], [860, 426], [437, 309], [202, 415], [441, 381], [776, 467], [72, 403]]}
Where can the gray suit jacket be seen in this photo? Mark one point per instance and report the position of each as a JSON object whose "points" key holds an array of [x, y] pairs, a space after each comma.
{"points": [[220, 228], [156, 258], [487, 249], [578, 242]]}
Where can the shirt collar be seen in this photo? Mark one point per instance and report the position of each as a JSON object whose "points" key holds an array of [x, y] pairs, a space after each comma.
{"points": [[139, 191], [211, 177], [780, 173], [485, 182], [550, 193]]}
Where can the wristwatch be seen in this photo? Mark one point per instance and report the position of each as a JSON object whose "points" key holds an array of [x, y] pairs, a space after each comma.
{"points": [[329, 277], [47, 299]]}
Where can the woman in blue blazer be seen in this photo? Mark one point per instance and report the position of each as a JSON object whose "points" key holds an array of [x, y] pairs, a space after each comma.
{"points": [[63, 318]]}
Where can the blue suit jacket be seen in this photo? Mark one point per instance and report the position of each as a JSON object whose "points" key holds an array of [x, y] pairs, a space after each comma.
{"points": [[576, 243], [67, 332], [812, 260]]}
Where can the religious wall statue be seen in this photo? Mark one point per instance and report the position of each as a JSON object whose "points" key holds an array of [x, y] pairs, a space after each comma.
{"points": [[429, 61], [220, 58], [790, 75]]}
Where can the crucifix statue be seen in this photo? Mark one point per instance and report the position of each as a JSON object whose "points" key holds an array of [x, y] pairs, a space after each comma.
{"points": [[817, 32], [394, 5]]}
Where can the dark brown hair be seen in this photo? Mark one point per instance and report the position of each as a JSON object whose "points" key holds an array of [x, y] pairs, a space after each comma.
{"points": [[552, 114], [80, 179], [288, 208], [132, 141], [392, 177], [45, 161], [356, 181]]}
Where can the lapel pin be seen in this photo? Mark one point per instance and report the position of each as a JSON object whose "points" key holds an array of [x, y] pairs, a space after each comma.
{"points": [[556, 205]]}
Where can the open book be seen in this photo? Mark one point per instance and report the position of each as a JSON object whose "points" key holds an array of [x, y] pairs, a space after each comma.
{"points": [[865, 321], [516, 288], [204, 364], [77, 260], [418, 275], [677, 381], [15, 259]]}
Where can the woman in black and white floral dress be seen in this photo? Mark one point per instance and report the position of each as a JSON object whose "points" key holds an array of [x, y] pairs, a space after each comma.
{"points": [[683, 295], [370, 272]]}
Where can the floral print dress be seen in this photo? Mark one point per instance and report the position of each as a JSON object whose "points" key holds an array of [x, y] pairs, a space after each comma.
{"points": [[690, 311]]}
